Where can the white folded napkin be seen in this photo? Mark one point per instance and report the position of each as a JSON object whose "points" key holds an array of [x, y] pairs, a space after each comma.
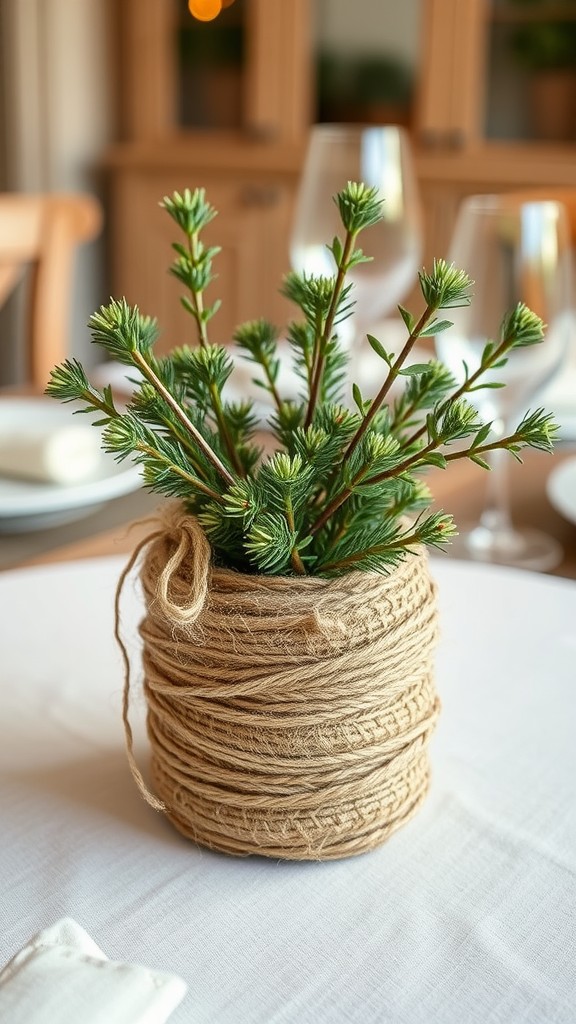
{"points": [[62, 977], [61, 455]]}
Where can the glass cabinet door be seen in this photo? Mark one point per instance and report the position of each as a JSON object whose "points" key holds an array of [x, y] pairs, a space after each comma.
{"points": [[497, 70], [531, 71], [211, 58], [365, 60], [247, 71]]}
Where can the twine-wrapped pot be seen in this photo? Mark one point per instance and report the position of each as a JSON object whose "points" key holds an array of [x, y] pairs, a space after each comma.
{"points": [[287, 716]]}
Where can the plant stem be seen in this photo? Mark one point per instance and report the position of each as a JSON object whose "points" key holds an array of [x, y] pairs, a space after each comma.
{"points": [[271, 385], [197, 299], [184, 440], [338, 500], [377, 549], [390, 378], [198, 303], [407, 464], [503, 443], [319, 355], [195, 481], [179, 412], [414, 406], [109, 409], [464, 387], [297, 563], [224, 432], [465, 453], [337, 537]]}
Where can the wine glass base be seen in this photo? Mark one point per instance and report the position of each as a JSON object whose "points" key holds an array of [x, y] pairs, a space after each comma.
{"points": [[521, 548]]}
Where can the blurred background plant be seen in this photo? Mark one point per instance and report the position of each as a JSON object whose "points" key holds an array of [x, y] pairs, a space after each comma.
{"points": [[371, 88], [546, 51]]}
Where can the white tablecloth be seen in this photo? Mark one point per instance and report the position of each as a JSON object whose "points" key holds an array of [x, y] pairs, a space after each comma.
{"points": [[466, 915]]}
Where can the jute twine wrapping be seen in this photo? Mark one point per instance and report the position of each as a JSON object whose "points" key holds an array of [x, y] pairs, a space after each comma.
{"points": [[287, 717]]}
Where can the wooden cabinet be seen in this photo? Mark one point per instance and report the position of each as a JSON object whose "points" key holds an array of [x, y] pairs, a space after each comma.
{"points": [[474, 132], [248, 158], [239, 128], [483, 65], [168, 62], [252, 187]]}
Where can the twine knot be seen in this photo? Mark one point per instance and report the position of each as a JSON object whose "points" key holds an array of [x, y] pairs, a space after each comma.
{"points": [[182, 576]]}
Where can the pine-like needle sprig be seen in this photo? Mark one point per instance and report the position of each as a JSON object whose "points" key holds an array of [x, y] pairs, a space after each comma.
{"points": [[342, 489]]}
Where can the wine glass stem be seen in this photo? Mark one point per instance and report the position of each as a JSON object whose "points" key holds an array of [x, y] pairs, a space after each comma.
{"points": [[496, 513]]}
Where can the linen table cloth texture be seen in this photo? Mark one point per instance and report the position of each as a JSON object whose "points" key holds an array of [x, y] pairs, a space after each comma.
{"points": [[468, 914]]}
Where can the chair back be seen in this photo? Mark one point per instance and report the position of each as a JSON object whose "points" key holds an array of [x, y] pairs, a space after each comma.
{"points": [[41, 233]]}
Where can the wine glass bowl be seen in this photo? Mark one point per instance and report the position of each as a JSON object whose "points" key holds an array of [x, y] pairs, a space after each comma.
{"points": [[515, 250], [380, 157]]}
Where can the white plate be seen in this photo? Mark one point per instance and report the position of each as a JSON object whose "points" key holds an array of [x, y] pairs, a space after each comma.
{"points": [[561, 489], [26, 505]]}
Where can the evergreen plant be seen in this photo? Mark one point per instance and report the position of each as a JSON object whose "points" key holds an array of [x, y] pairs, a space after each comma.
{"points": [[343, 487]]}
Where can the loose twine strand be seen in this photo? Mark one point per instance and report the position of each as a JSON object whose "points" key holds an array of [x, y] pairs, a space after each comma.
{"points": [[288, 717]]}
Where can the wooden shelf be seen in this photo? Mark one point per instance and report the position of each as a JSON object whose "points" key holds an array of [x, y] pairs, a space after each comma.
{"points": [[503, 164], [215, 151], [511, 14]]}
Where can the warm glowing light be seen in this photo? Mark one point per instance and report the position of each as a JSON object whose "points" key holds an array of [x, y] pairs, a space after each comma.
{"points": [[227, 3], [205, 10]]}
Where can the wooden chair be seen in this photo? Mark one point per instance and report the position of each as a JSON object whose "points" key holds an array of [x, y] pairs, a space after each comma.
{"points": [[41, 233]]}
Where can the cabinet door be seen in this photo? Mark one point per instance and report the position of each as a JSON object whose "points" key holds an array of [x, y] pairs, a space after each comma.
{"points": [[251, 227], [247, 70], [497, 71], [454, 41]]}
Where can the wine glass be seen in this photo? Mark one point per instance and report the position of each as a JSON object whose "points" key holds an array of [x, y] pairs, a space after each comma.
{"points": [[381, 157], [515, 250]]}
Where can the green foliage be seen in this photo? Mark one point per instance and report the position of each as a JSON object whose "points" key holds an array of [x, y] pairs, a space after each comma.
{"points": [[545, 43], [123, 331], [359, 206], [342, 491]]}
